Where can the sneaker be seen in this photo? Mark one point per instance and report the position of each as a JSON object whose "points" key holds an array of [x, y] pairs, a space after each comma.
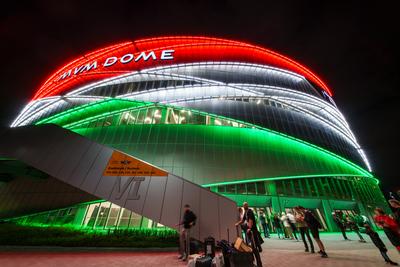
{"points": [[180, 257], [320, 252], [324, 255], [393, 263], [306, 250]]}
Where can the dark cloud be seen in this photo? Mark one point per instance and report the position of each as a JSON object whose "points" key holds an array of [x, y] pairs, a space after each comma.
{"points": [[351, 45]]}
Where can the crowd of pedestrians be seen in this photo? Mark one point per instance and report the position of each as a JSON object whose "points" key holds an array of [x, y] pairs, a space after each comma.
{"points": [[300, 220], [300, 223]]}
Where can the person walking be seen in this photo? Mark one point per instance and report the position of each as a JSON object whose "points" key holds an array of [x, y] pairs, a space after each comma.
{"points": [[251, 225], [292, 222], [314, 225], [303, 228], [188, 221], [352, 224], [277, 225], [338, 220], [264, 224], [286, 225], [389, 226], [378, 243]]}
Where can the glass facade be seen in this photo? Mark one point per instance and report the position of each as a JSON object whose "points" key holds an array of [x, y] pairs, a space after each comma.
{"points": [[241, 120], [97, 216], [338, 188]]}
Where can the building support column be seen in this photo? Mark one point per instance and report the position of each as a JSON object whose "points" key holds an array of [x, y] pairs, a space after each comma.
{"points": [[327, 210]]}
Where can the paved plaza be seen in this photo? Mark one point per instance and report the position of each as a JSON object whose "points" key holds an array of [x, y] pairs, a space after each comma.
{"points": [[277, 253]]}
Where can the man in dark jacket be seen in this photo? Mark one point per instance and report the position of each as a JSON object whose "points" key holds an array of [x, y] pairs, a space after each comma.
{"points": [[264, 224], [337, 219], [250, 220], [378, 243], [189, 220]]}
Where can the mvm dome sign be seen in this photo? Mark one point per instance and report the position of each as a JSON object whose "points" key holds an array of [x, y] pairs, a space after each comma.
{"points": [[125, 59]]}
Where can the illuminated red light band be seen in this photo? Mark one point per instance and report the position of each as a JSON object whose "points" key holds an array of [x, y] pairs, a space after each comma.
{"points": [[155, 52]]}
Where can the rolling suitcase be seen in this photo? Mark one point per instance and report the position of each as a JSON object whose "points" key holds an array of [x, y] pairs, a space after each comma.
{"points": [[209, 246], [241, 259], [204, 261]]}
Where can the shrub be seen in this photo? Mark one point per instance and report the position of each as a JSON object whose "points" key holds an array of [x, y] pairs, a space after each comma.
{"points": [[19, 235]]}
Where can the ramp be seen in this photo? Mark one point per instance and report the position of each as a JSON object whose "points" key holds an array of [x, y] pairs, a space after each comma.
{"points": [[120, 178]]}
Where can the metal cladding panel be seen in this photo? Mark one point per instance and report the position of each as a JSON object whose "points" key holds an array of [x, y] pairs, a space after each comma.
{"points": [[95, 172], [57, 154], [171, 211], [74, 155], [106, 186], [137, 204], [209, 209], [127, 181], [226, 229], [191, 195], [155, 197], [85, 163]]}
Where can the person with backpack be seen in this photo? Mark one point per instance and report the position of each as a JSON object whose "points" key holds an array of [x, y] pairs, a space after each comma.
{"points": [[188, 221], [378, 243], [314, 225]]}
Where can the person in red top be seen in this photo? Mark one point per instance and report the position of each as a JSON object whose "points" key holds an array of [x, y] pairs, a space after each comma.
{"points": [[389, 226]]}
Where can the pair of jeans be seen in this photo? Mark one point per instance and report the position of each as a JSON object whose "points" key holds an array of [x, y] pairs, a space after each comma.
{"points": [[184, 242], [294, 230], [279, 232], [304, 232], [343, 230], [385, 256], [265, 229]]}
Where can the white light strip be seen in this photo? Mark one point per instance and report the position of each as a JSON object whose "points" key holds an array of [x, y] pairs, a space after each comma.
{"points": [[306, 103], [33, 116]]}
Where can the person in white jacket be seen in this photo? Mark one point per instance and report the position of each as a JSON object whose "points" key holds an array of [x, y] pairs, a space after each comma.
{"points": [[292, 222], [286, 224]]}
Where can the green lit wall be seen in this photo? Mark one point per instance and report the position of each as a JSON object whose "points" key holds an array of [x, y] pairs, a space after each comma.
{"points": [[201, 147]]}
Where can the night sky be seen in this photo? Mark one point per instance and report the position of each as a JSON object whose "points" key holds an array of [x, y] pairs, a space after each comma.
{"points": [[351, 46]]}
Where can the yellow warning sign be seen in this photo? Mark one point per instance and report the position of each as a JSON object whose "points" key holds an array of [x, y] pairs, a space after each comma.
{"points": [[121, 164]]}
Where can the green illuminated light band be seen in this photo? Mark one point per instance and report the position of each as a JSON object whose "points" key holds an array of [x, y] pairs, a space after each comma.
{"points": [[93, 110], [75, 119], [284, 178]]}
